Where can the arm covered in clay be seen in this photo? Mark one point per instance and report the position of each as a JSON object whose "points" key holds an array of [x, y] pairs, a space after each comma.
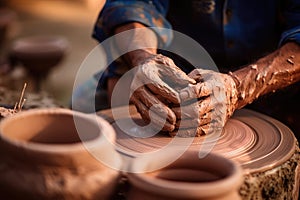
{"points": [[273, 72], [216, 95]]}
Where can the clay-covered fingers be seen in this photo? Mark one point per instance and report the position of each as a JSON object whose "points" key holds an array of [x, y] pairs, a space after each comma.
{"points": [[162, 77], [152, 102], [194, 122], [169, 70], [155, 87], [154, 83], [199, 75], [193, 115], [194, 109], [197, 91], [152, 117], [196, 75], [206, 83]]}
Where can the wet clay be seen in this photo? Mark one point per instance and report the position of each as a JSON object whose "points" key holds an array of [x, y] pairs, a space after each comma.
{"points": [[211, 101], [273, 72]]}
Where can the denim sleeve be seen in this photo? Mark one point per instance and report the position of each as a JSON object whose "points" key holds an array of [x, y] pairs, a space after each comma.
{"points": [[291, 16], [118, 12]]}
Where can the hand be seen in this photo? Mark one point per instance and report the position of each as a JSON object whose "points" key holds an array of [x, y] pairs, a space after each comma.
{"points": [[155, 87], [206, 105]]}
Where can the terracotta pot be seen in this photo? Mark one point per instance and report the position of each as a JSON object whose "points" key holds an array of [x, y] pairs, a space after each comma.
{"points": [[211, 178], [44, 157], [39, 54]]}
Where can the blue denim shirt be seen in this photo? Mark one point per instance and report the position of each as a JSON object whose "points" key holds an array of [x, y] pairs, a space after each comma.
{"points": [[233, 32]]}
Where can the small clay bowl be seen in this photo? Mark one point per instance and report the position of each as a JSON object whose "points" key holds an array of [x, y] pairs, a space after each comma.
{"points": [[43, 156], [39, 53], [189, 177]]}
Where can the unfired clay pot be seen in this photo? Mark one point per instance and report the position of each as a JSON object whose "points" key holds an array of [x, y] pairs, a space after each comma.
{"points": [[44, 157], [39, 53], [189, 177]]}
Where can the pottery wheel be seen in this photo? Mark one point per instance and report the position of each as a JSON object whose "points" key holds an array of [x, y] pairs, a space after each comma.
{"points": [[256, 141], [266, 149]]}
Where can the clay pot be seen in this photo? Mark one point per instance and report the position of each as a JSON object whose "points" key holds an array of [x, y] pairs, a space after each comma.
{"points": [[44, 157], [39, 53], [211, 178]]}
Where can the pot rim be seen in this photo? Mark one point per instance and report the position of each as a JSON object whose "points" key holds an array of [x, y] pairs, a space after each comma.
{"points": [[40, 44], [160, 186], [99, 141]]}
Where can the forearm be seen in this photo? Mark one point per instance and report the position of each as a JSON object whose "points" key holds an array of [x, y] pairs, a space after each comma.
{"points": [[141, 38], [275, 71]]}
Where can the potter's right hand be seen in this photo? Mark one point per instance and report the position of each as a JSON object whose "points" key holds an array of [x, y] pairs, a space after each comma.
{"points": [[155, 87], [207, 105]]}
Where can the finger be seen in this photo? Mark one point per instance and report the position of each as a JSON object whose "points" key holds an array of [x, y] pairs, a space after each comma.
{"points": [[205, 106], [188, 111], [162, 76], [153, 118], [141, 108], [169, 69], [187, 123], [153, 81], [193, 110], [163, 100], [193, 123], [201, 74], [165, 91], [199, 90], [150, 101], [196, 75], [161, 122]]}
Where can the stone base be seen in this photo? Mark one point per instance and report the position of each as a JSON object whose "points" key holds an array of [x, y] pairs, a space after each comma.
{"points": [[282, 182]]}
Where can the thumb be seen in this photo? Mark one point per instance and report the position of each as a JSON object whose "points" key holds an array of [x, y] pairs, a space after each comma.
{"points": [[168, 70]]}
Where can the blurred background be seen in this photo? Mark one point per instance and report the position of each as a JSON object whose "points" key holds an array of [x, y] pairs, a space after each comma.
{"points": [[72, 20]]}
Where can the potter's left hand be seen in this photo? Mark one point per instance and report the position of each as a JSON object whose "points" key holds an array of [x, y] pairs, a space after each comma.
{"points": [[206, 105], [155, 85]]}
